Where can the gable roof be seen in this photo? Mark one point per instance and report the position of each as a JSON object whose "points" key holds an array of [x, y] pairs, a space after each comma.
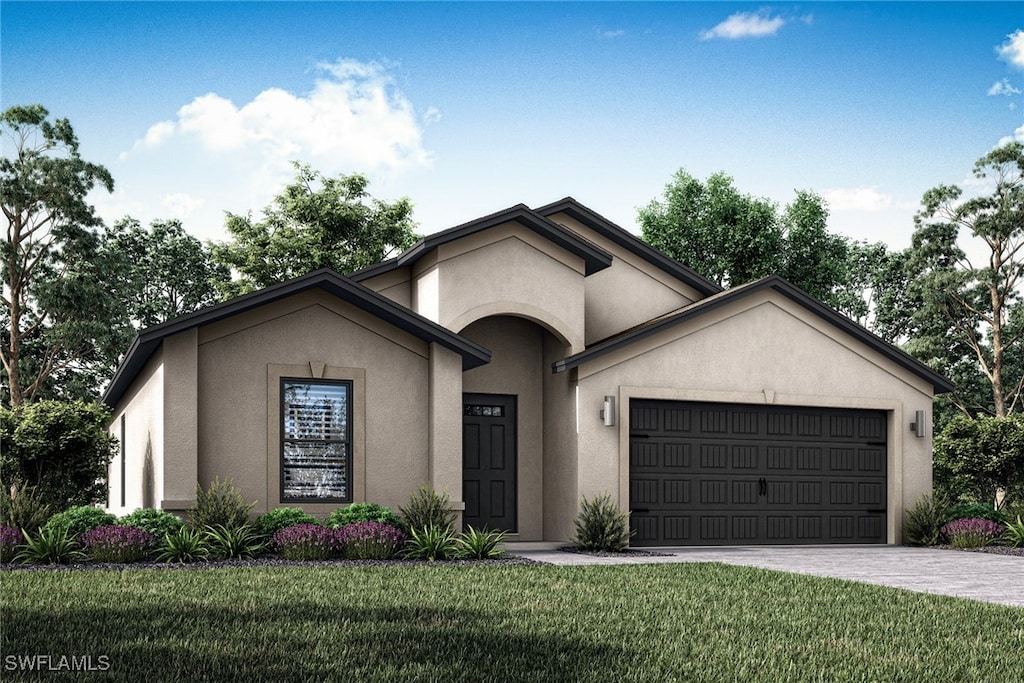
{"points": [[149, 340], [594, 258], [632, 243], [778, 284]]}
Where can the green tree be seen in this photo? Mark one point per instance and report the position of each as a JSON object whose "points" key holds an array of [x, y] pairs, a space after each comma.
{"points": [[315, 222], [61, 448], [58, 316], [728, 237], [815, 260], [976, 458], [966, 319], [171, 273]]}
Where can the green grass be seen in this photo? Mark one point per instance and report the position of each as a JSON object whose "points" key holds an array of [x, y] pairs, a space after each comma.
{"points": [[700, 622]]}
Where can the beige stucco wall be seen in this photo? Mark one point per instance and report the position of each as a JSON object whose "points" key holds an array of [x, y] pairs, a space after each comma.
{"points": [[142, 408], [444, 470], [764, 348], [241, 360], [181, 455], [631, 291], [561, 490], [394, 284], [508, 269], [516, 368]]}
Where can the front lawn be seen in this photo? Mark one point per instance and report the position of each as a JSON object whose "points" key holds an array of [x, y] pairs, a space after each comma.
{"points": [[701, 622]]}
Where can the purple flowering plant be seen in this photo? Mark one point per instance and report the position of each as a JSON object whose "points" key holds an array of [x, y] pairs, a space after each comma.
{"points": [[370, 540], [10, 538], [972, 533], [306, 542], [117, 543]]}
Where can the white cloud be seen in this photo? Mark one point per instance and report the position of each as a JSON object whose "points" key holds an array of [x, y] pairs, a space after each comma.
{"points": [[1012, 51], [617, 33], [746, 25], [217, 155], [1018, 136], [181, 205], [1003, 87], [867, 199]]}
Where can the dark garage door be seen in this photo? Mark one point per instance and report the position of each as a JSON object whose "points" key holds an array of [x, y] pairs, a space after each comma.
{"points": [[731, 474]]}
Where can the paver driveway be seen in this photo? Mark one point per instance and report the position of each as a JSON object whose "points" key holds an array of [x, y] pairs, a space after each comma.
{"points": [[978, 576]]}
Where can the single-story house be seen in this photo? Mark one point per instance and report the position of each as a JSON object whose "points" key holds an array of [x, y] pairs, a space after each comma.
{"points": [[519, 362]]}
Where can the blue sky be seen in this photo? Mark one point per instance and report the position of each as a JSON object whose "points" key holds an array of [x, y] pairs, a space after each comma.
{"points": [[467, 108]]}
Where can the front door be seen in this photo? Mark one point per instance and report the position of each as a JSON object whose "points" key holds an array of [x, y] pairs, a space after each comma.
{"points": [[489, 461]]}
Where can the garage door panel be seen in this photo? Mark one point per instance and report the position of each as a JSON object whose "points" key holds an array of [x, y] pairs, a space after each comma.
{"points": [[746, 474]]}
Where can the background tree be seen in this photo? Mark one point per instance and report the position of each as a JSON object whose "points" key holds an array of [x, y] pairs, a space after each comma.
{"points": [[976, 458], [315, 222], [966, 317], [57, 313], [170, 272], [61, 448], [727, 237], [732, 238]]}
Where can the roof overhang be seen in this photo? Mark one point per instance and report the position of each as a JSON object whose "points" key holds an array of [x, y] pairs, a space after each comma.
{"points": [[632, 243], [790, 291], [594, 258], [148, 341]]}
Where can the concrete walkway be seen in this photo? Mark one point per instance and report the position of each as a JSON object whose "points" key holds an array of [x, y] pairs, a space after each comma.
{"points": [[977, 576]]}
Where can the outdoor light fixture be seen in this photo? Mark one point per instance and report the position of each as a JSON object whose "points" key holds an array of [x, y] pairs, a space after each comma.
{"points": [[608, 413], [917, 426]]}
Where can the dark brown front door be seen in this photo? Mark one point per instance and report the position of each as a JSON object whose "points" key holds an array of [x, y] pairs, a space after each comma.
{"points": [[489, 461]]}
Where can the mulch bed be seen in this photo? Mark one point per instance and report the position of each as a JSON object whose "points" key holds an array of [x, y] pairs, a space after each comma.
{"points": [[990, 549], [628, 552]]}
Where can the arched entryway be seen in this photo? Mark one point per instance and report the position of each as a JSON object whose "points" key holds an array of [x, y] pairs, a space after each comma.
{"points": [[517, 441]]}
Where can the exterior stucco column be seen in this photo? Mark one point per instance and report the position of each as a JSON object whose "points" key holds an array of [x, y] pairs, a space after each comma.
{"points": [[181, 425], [445, 454]]}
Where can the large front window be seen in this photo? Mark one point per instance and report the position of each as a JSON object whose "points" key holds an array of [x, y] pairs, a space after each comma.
{"points": [[316, 441]]}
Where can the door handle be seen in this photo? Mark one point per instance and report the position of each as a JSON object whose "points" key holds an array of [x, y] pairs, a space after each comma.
{"points": [[762, 487]]}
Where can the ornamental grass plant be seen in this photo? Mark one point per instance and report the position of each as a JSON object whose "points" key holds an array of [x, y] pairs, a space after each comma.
{"points": [[117, 543], [972, 533], [370, 540], [10, 539], [307, 542]]}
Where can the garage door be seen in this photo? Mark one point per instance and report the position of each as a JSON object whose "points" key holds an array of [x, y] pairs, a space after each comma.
{"points": [[730, 474]]}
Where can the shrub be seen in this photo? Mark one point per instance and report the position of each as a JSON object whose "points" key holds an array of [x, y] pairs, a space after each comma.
{"points": [[976, 511], [1014, 535], [220, 505], [117, 543], [23, 507], [428, 508], [979, 456], [431, 543], [972, 533], [78, 520], [10, 539], [269, 523], [184, 545], [61, 448], [307, 542], [480, 545], [157, 522], [362, 512], [924, 521], [240, 542], [49, 546], [601, 525], [370, 540]]}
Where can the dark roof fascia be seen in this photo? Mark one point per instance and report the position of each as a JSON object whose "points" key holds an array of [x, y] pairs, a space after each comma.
{"points": [[627, 240], [148, 340], [898, 356], [594, 258]]}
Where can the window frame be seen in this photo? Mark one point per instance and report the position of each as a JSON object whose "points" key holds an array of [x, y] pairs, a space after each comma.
{"points": [[348, 440]]}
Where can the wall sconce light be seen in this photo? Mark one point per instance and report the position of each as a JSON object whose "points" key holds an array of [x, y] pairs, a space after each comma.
{"points": [[918, 426], [608, 413]]}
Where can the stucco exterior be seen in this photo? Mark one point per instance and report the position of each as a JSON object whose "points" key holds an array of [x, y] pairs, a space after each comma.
{"points": [[556, 308]]}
